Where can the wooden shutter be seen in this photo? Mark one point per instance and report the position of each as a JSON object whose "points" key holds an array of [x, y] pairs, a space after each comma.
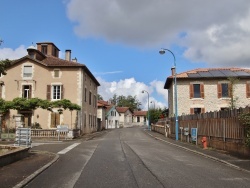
{"points": [[219, 90], [1, 87], [48, 92], [191, 110], [191, 91], [202, 91], [202, 110], [248, 90], [62, 92], [30, 91]]}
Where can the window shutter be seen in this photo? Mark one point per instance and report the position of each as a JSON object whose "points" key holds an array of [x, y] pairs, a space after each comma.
{"points": [[219, 90], [191, 91], [191, 111], [30, 91], [202, 91], [248, 90], [1, 87], [48, 92], [62, 92], [202, 110]]}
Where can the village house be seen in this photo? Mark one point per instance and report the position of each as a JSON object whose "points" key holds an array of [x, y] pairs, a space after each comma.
{"points": [[126, 116], [140, 118], [208, 89], [42, 74], [111, 120]]}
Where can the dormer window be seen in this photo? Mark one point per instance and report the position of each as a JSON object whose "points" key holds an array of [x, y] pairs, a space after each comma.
{"points": [[27, 71], [44, 49]]}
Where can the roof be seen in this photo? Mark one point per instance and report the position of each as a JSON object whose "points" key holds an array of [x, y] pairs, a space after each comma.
{"points": [[105, 103], [209, 73], [51, 61], [140, 113], [122, 109]]}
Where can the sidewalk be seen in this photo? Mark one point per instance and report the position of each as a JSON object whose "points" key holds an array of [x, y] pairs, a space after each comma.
{"points": [[220, 156], [19, 173]]}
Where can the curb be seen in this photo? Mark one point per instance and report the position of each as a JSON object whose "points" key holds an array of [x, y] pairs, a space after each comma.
{"points": [[36, 173], [202, 154]]}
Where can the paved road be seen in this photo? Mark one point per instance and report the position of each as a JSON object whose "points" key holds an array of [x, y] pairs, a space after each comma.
{"points": [[130, 158]]}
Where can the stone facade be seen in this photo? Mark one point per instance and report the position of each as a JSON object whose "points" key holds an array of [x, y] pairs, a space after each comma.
{"points": [[210, 101]]}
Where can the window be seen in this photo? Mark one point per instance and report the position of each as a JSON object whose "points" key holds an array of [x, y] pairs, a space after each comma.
{"points": [[90, 96], [85, 95], [56, 92], [27, 71], [44, 49], [196, 91], [56, 73], [138, 119], [85, 119], [26, 92], [197, 110], [223, 90]]}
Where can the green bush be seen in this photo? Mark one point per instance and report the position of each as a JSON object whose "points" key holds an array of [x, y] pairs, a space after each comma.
{"points": [[245, 120]]}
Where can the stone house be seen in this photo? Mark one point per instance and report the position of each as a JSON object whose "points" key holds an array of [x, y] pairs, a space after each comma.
{"points": [[44, 75], [140, 118], [208, 89], [126, 116]]}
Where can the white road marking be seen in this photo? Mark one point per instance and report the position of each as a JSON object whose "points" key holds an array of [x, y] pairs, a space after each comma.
{"points": [[68, 148]]}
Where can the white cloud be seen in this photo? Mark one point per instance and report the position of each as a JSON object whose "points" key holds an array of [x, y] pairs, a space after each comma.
{"points": [[131, 87], [216, 32], [8, 53]]}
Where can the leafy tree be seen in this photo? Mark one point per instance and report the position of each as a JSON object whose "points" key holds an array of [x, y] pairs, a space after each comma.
{"points": [[233, 100], [4, 64], [99, 97], [130, 101], [156, 114], [245, 120]]}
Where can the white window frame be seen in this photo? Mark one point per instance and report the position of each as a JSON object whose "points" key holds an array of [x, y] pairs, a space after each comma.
{"points": [[27, 74], [54, 88]]}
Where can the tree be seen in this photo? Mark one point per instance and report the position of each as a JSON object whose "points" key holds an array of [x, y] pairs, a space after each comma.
{"points": [[231, 89], [130, 101], [156, 114], [99, 97], [4, 64], [245, 120]]}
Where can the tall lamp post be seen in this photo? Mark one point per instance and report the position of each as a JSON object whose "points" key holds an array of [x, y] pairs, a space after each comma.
{"points": [[154, 103], [162, 51], [148, 108]]}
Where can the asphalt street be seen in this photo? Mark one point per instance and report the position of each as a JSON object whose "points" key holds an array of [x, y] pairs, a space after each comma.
{"points": [[131, 158]]}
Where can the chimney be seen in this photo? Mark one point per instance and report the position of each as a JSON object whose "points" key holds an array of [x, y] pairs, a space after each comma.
{"points": [[173, 71], [74, 60], [68, 55]]}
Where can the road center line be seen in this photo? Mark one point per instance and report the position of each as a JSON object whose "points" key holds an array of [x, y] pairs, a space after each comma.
{"points": [[68, 148]]}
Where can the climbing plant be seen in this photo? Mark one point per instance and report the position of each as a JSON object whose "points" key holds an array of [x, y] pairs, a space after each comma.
{"points": [[245, 120]]}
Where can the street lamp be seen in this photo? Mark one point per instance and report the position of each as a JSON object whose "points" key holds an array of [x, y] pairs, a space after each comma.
{"points": [[162, 51], [148, 108], [154, 103]]}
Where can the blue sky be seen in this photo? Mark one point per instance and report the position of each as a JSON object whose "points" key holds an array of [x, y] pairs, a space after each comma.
{"points": [[119, 41]]}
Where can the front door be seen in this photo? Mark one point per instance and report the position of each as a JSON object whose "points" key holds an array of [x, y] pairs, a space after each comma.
{"points": [[26, 118]]}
